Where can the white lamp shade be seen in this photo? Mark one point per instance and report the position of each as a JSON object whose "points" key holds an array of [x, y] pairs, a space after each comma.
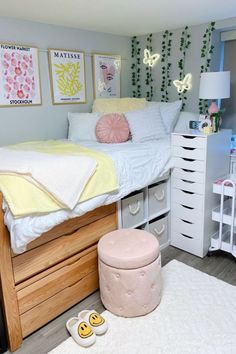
{"points": [[215, 85]]}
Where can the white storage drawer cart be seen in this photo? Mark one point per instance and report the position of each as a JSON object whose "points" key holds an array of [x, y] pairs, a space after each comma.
{"points": [[148, 209], [198, 161], [224, 214]]}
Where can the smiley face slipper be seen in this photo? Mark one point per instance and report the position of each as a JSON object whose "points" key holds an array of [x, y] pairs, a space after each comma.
{"points": [[95, 320], [80, 331]]}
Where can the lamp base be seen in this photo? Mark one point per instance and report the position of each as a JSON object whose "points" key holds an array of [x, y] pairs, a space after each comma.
{"points": [[213, 108]]}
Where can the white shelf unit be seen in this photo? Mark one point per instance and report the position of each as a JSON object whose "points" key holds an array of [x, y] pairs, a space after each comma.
{"points": [[198, 161], [148, 209], [224, 215]]}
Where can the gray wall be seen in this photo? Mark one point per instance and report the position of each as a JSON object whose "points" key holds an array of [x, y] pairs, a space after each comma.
{"points": [[193, 60], [47, 121]]}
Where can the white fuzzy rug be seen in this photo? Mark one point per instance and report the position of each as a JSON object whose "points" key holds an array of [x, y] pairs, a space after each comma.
{"points": [[197, 314]]}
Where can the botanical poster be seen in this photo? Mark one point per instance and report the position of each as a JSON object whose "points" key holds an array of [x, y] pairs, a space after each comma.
{"points": [[67, 76], [106, 72], [19, 75]]}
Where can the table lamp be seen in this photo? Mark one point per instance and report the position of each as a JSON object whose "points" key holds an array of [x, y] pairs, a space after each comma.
{"points": [[214, 85]]}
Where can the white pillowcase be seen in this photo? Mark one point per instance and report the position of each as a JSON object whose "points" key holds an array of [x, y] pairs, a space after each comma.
{"points": [[170, 113], [146, 124], [82, 126]]}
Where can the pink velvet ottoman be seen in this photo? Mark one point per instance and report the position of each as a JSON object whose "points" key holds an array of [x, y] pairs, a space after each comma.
{"points": [[129, 263]]}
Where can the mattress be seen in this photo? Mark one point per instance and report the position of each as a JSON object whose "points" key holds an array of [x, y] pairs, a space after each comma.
{"points": [[137, 165]]}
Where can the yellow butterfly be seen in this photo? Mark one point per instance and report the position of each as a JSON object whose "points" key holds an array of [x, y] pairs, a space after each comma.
{"points": [[149, 58], [185, 84]]}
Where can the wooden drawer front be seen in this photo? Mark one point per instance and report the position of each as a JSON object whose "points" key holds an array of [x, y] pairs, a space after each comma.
{"points": [[188, 175], [186, 198], [189, 153], [193, 229], [189, 164], [132, 210], [188, 185], [189, 141], [60, 302], [41, 258], [75, 269], [159, 229], [186, 243], [186, 213], [157, 198]]}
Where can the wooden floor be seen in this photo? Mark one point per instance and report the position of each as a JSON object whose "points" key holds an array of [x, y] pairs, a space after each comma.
{"points": [[222, 266]]}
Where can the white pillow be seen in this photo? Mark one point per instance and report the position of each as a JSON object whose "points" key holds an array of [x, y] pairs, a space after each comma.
{"points": [[82, 126], [146, 124], [170, 113], [182, 124]]}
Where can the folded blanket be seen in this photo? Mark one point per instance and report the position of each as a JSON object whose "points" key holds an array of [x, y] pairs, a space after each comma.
{"points": [[31, 189]]}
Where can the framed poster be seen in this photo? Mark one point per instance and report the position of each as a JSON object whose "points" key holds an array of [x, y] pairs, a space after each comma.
{"points": [[67, 74], [19, 75], [106, 75]]}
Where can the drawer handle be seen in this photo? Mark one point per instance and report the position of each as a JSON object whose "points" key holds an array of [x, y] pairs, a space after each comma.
{"points": [[159, 197], [135, 210], [185, 170], [159, 232], [187, 192], [187, 222], [189, 137], [186, 236], [189, 160], [187, 207], [185, 181], [188, 148]]}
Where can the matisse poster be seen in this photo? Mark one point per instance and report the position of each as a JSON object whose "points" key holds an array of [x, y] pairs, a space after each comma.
{"points": [[19, 75], [106, 75], [67, 72]]}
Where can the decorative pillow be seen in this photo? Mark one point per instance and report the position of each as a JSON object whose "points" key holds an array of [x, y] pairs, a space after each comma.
{"points": [[169, 112], [146, 124], [112, 128], [82, 126], [118, 105]]}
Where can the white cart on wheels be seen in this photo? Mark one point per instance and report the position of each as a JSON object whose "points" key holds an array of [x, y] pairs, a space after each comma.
{"points": [[224, 214]]}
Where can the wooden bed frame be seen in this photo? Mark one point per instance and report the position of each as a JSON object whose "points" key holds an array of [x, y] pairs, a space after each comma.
{"points": [[58, 270]]}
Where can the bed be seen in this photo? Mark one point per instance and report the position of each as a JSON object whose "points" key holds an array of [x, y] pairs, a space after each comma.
{"points": [[59, 268]]}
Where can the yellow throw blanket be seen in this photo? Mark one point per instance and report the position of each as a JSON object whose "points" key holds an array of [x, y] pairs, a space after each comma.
{"points": [[25, 198]]}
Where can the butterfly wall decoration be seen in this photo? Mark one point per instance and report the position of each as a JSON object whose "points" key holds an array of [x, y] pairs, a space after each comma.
{"points": [[150, 59], [185, 84]]}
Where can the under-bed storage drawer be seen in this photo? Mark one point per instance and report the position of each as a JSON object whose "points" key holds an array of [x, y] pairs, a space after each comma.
{"points": [[188, 141], [132, 210], [159, 229], [157, 198], [47, 255], [56, 279], [82, 280]]}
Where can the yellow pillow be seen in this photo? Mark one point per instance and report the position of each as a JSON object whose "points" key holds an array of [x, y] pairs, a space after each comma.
{"points": [[118, 105]]}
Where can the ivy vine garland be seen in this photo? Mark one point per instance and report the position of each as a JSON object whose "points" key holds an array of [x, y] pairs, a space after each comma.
{"points": [[149, 79], [183, 47], [135, 67], [166, 67], [206, 52]]}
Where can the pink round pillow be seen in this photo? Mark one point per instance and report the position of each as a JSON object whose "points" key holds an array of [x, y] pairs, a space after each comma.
{"points": [[112, 128]]}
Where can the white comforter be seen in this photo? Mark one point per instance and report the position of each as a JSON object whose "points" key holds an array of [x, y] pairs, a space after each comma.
{"points": [[137, 165]]}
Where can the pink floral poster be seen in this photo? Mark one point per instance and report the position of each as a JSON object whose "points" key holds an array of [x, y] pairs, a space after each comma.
{"points": [[19, 76], [106, 75]]}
